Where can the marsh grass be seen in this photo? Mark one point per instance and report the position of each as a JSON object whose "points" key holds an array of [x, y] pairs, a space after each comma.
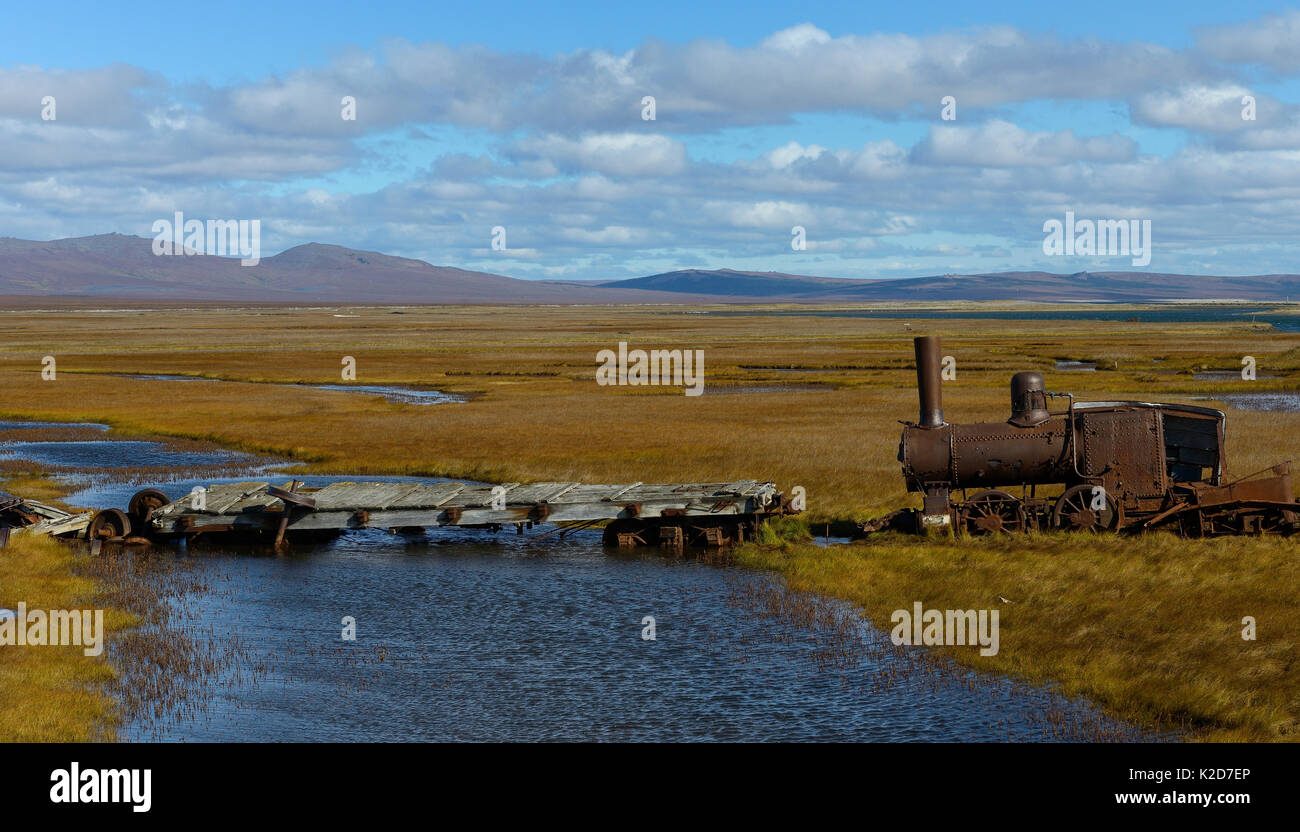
{"points": [[54, 694], [169, 663], [158, 662], [537, 413], [1151, 629], [836, 641], [1148, 627]]}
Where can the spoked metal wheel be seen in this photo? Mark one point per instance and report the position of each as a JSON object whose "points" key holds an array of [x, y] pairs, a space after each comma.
{"points": [[144, 503], [1076, 510], [109, 524], [992, 512]]}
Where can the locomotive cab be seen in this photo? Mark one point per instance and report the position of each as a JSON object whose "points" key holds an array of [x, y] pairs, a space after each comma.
{"points": [[1121, 465], [1146, 447]]}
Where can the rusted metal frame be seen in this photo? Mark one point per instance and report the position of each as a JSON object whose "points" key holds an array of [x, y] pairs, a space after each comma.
{"points": [[628, 540], [1177, 508]]}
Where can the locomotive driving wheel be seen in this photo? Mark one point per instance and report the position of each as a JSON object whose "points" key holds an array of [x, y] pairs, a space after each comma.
{"points": [[1076, 510], [144, 503], [109, 524], [991, 512]]}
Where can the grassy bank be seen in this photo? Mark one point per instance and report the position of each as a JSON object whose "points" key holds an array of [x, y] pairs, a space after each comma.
{"points": [[53, 694], [1150, 629]]}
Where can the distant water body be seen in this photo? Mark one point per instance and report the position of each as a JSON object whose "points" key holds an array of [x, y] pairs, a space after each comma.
{"points": [[1171, 314]]}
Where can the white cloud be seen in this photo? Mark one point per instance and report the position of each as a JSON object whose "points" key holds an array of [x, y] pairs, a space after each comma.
{"points": [[1212, 109], [788, 154], [1273, 40], [554, 148], [796, 38], [614, 154], [1002, 144]]}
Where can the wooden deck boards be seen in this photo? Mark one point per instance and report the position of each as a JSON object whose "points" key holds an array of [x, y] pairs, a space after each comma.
{"points": [[393, 504]]}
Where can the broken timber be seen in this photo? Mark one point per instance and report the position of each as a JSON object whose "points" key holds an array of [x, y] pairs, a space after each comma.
{"points": [[710, 513], [22, 516]]}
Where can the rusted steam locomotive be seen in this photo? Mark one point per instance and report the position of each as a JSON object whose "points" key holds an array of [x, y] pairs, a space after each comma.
{"points": [[1124, 465]]}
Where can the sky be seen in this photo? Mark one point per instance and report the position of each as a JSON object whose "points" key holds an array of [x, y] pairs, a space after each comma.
{"points": [[892, 139]]}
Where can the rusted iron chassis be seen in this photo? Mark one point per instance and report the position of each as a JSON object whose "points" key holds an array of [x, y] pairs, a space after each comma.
{"points": [[636, 514], [1124, 465]]}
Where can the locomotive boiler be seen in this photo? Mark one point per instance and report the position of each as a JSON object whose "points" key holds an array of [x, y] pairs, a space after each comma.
{"points": [[1118, 465]]}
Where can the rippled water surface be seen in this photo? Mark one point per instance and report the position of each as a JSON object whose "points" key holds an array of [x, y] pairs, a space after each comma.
{"points": [[1281, 401], [464, 635], [113, 454]]}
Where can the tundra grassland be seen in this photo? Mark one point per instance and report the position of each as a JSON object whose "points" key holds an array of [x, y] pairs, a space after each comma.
{"points": [[1149, 628], [53, 693]]}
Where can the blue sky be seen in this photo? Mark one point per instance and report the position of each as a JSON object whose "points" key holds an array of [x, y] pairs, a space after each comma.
{"points": [[825, 116], [242, 39]]}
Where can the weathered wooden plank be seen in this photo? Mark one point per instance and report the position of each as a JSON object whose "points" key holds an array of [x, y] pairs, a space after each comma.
{"points": [[431, 495], [219, 498], [536, 493], [621, 491], [396, 504]]}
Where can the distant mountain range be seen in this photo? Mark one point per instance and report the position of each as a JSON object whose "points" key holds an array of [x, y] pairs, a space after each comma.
{"points": [[124, 267]]}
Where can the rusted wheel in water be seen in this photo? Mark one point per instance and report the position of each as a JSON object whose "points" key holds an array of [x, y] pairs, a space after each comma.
{"points": [[143, 504], [1075, 511], [992, 512], [108, 524], [627, 533]]}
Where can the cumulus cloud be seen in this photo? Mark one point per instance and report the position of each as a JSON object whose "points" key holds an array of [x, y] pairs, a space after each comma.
{"points": [[1273, 41], [615, 154], [791, 152], [1211, 109], [999, 143], [113, 96]]}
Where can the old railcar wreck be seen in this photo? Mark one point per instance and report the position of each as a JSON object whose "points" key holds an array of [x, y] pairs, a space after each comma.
{"points": [[1125, 466]]}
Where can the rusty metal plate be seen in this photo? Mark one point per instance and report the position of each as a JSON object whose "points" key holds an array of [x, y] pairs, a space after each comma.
{"points": [[1126, 447]]}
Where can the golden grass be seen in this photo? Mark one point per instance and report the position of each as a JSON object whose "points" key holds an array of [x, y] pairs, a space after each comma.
{"points": [[52, 694], [1146, 627], [1149, 628], [538, 414]]}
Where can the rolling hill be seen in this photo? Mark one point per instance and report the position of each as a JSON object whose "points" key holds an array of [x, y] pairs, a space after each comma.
{"points": [[124, 267]]}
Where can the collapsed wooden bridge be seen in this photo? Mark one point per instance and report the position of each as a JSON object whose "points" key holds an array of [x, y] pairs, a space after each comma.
{"points": [[636, 514]]}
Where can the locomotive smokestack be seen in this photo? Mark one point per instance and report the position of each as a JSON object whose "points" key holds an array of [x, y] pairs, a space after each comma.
{"points": [[928, 359]]}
